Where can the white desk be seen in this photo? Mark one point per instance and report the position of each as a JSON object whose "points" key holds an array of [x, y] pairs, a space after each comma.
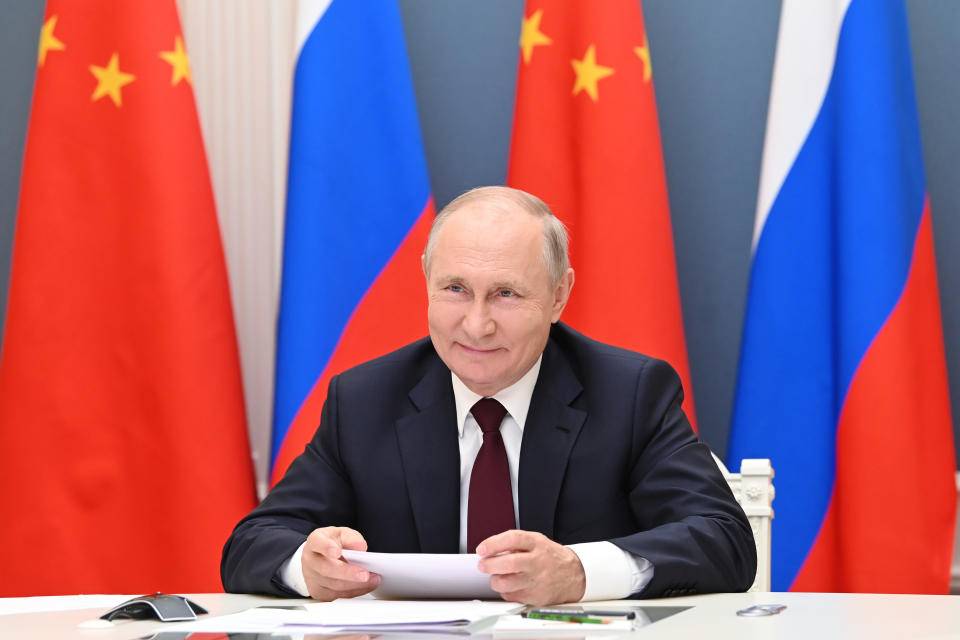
{"points": [[809, 616]]}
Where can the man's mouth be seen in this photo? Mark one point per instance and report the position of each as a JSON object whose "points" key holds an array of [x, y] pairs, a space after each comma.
{"points": [[477, 350]]}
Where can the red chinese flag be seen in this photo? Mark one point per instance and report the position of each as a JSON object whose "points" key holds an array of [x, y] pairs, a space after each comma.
{"points": [[586, 141], [124, 460]]}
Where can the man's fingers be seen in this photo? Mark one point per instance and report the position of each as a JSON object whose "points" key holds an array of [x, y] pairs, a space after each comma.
{"points": [[330, 579], [323, 593], [504, 563], [327, 574], [335, 568], [325, 542], [348, 586], [509, 552], [510, 582], [528, 567], [351, 539], [330, 541], [513, 540]]}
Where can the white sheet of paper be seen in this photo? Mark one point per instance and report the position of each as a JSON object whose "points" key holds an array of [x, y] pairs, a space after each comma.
{"points": [[425, 575], [355, 611], [257, 620], [354, 615]]}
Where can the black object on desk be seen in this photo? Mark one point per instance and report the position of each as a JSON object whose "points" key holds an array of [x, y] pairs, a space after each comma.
{"points": [[164, 607]]}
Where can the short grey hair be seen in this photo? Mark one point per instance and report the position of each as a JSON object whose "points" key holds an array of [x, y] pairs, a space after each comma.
{"points": [[555, 239]]}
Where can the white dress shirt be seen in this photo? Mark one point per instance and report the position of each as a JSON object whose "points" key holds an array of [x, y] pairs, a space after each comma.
{"points": [[611, 573]]}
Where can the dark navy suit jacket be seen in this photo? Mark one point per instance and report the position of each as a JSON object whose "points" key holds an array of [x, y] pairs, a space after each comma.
{"points": [[607, 454]]}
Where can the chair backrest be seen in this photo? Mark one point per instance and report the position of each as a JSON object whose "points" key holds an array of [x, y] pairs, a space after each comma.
{"points": [[753, 489]]}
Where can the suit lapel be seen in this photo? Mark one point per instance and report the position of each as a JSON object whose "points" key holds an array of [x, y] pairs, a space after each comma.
{"points": [[551, 429], [431, 461]]}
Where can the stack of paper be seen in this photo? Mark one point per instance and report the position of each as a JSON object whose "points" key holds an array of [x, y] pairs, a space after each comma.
{"points": [[398, 615], [358, 616]]}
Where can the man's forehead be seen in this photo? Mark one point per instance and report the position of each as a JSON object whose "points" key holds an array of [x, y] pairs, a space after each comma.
{"points": [[496, 202], [494, 216]]}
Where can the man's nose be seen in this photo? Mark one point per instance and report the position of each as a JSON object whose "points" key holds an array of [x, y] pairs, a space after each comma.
{"points": [[478, 322]]}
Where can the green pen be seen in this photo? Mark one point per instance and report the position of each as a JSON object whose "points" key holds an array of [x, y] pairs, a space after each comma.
{"points": [[563, 618]]}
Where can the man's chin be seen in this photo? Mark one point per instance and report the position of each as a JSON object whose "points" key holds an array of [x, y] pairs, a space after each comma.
{"points": [[477, 382]]}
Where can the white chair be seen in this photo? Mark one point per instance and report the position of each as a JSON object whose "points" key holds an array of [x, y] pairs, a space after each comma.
{"points": [[753, 489], [955, 569]]}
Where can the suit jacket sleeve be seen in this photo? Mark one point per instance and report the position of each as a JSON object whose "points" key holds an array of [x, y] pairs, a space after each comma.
{"points": [[692, 530], [315, 492]]}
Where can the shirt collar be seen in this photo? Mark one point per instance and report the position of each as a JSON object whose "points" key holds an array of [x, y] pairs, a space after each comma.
{"points": [[515, 398]]}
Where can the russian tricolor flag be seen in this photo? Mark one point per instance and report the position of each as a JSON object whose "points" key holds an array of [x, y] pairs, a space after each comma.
{"points": [[842, 378], [358, 210]]}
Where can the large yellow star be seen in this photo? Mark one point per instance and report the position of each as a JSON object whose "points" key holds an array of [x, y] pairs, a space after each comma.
{"points": [[179, 61], [589, 73], [48, 41], [110, 80], [644, 54], [531, 36]]}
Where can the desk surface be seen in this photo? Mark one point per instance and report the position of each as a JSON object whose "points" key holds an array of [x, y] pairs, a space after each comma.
{"points": [[808, 616]]}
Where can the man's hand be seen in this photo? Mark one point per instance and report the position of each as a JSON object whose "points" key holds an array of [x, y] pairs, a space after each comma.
{"points": [[531, 568], [328, 576]]}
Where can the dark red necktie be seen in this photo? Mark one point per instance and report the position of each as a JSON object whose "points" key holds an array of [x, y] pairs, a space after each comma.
{"points": [[490, 505]]}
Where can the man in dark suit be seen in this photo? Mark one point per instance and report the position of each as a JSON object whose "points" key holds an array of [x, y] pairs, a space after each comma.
{"points": [[594, 485]]}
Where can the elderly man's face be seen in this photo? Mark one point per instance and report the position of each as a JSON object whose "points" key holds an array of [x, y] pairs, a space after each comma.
{"points": [[491, 299]]}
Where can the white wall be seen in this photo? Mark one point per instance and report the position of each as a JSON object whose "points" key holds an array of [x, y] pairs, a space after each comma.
{"points": [[241, 56]]}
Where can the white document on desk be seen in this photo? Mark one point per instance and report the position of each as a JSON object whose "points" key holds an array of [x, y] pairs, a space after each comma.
{"points": [[359, 612], [359, 615], [425, 575]]}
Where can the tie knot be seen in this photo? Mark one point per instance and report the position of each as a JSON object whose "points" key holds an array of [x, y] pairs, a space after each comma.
{"points": [[489, 414]]}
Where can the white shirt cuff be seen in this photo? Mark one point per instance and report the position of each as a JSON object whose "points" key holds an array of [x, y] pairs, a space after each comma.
{"points": [[611, 573], [291, 572]]}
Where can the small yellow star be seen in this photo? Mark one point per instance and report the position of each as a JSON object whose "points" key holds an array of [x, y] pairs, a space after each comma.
{"points": [[589, 73], [110, 80], [531, 36], [48, 41], [179, 61], [644, 54]]}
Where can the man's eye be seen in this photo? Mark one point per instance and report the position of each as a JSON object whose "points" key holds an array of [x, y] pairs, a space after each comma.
{"points": [[455, 288], [506, 293]]}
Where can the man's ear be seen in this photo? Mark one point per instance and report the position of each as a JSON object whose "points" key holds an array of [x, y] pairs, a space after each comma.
{"points": [[561, 294], [423, 264]]}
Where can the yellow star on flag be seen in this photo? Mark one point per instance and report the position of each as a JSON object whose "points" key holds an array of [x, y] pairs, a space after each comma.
{"points": [[644, 54], [179, 61], [110, 80], [589, 73], [48, 41], [531, 36]]}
